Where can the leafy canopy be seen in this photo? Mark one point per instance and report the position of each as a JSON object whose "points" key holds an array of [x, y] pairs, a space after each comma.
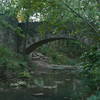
{"points": [[82, 15]]}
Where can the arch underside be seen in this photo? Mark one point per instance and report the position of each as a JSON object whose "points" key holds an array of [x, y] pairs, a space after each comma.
{"points": [[34, 46]]}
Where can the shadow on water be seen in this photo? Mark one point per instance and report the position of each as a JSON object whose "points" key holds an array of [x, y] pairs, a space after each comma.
{"points": [[19, 95]]}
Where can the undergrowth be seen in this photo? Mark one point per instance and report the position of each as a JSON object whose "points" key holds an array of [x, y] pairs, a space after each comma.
{"points": [[58, 57]]}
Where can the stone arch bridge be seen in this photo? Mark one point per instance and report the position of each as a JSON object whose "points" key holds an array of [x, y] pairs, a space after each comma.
{"points": [[39, 43], [32, 28]]}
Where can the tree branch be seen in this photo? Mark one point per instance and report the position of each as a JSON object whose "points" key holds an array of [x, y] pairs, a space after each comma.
{"points": [[77, 14]]}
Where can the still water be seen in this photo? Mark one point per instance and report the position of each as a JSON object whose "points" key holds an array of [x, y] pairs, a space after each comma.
{"points": [[52, 85]]}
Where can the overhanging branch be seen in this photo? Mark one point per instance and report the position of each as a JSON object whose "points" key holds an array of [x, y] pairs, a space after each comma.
{"points": [[77, 14]]}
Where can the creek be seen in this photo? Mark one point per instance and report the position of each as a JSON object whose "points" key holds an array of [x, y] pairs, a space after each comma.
{"points": [[55, 84]]}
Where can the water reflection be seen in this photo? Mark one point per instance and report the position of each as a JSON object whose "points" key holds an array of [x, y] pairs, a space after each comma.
{"points": [[53, 85]]}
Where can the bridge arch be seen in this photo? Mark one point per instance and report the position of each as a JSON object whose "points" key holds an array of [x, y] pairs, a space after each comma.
{"points": [[35, 45]]}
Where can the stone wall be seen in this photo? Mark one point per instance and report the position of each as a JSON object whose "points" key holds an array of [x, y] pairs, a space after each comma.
{"points": [[7, 33]]}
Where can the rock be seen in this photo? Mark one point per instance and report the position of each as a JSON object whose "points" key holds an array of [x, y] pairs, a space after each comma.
{"points": [[62, 67], [19, 83], [1, 89], [50, 87], [59, 82], [65, 97], [67, 79], [38, 56], [38, 94]]}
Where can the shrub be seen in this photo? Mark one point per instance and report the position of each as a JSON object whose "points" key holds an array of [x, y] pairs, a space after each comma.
{"points": [[57, 57], [91, 69], [95, 97], [10, 63]]}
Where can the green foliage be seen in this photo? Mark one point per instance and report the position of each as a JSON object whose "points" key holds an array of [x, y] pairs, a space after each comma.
{"points": [[95, 97], [39, 82], [5, 24], [91, 70], [9, 7], [57, 12], [11, 63], [19, 33], [24, 74], [56, 56]]}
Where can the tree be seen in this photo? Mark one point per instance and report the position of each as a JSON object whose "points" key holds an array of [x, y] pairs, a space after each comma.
{"points": [[60, 12]]}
